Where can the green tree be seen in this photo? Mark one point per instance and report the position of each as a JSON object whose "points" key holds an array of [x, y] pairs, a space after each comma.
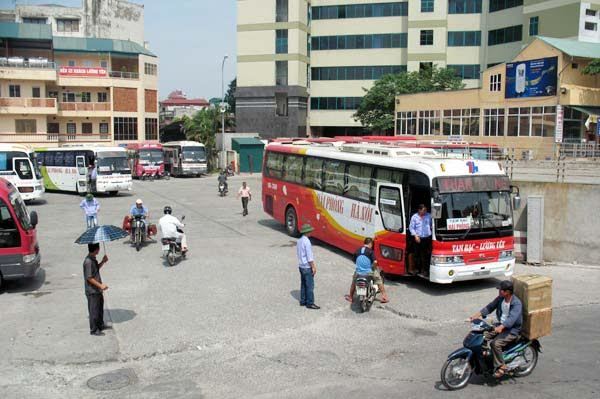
{"points": [[376, 110], [230, 95], [202, 127], [593, 68]]}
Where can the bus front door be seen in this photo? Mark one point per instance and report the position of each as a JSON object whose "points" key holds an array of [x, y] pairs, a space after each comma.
{"points": [[81, 174], [390, 236]]}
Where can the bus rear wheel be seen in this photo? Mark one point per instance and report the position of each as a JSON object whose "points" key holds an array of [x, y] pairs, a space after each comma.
{"points": [[113, 193], [291, 222]]}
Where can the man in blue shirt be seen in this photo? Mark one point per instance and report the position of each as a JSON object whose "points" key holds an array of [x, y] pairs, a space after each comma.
{"points": [[139, 210], [420, 229], [509, 311], [306, 265], [366, 264]]}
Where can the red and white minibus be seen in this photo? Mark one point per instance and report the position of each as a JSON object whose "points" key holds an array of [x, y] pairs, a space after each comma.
{"points": [[146, 159], [19, 250], [354, 191]]}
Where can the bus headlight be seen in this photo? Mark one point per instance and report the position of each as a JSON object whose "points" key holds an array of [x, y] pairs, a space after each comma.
{"points": [[506, 254], [446, 260], [390, 252]]}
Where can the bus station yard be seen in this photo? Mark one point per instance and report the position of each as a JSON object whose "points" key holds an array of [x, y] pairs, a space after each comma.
{"points": [[225, 323]]}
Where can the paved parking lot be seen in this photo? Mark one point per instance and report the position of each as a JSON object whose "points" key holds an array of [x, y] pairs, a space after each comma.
{"points": [[226, 322]]}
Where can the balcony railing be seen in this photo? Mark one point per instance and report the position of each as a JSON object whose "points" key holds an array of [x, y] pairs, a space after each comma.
{"points": [[124, 75], [53, 138], [16, 62], [28, 102], [80, 106]]}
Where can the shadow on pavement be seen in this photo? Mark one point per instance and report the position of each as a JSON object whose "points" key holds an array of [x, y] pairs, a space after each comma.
{"points": [[295, 294], [430, 288], [120, 315], [25, 286]]}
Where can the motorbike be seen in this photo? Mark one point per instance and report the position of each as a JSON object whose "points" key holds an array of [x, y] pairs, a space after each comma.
{"points": [[222, 189], [365, 292], [172, 249], [138, 228], [229, 172], [475, 357]]}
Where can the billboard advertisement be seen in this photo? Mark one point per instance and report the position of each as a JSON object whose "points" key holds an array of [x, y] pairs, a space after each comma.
{"points": [[531, 78]]}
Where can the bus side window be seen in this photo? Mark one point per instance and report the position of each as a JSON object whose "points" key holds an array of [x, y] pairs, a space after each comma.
{"points": [[275, 165], [69, 158], [313, 173], [9, 234], [334, 177], [49, 159], [293, 168], [59, 158]]}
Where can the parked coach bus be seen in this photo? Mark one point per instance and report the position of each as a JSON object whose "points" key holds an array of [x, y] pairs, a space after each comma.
{"points": [[185, 158], [355, 191], [146, 159], [18, 165], [19, 250], [68, 169]]}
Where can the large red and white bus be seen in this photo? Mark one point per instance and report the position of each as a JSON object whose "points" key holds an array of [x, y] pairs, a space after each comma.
{"points": [[354, 191], [146, 159]]}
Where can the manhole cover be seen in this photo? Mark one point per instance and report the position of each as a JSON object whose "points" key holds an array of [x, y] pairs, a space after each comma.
{"points": [[112, 381]]}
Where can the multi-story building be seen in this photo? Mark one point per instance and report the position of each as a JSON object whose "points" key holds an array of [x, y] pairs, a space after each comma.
{"points": [[80, 86], [303, 66], [177, 105]]}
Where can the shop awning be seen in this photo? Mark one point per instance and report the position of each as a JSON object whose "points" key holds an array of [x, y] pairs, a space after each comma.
{"points": [[593, 112]]}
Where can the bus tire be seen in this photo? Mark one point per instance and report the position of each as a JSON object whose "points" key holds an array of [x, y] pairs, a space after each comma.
{"points": [[1, 282], [291, 221], [113, 193]]}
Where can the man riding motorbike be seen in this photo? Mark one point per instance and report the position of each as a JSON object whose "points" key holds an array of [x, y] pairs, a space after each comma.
{"points": [[168, 228], [364, 259], [223, 179], [509, 311], [139, 210]]}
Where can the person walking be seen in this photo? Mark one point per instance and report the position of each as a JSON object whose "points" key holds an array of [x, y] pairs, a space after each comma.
{"points": [[90, 206], [92, 177], [306, 265], [246, 195], [94, 289], [420, 229]]}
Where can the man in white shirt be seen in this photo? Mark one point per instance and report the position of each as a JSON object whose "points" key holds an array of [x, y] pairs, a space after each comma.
{"points": [[168, 228]]}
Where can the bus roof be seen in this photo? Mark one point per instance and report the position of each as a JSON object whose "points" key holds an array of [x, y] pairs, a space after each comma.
{"points": [[84, 148], [427, 161], [184, 143], [147, 145], [15, 147]]}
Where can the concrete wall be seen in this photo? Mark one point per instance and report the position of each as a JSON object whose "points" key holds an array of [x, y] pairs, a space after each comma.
{"points": [[570, 212]]}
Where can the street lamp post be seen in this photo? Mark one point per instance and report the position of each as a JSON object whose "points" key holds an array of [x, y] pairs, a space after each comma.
{"points": [[223, 109]]}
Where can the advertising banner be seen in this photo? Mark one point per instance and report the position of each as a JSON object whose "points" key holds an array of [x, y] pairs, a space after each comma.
{"points": [[531, 78], [82, 72], [560, 116]]}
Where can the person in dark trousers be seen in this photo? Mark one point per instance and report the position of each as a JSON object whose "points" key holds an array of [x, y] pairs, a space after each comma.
{"points": [[307, 267], [420, 229], [94, 289], [246, 195], [509, 311]]}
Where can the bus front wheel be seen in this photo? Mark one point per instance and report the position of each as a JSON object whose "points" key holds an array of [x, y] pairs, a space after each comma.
{"points": [[113, 193], [291, 221]]}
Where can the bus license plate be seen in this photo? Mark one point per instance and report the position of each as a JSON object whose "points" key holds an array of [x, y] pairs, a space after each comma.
{"points": [[361, 291], [481, 273]]}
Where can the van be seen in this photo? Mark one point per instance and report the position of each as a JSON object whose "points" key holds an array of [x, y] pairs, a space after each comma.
{"points": [[19, 249]]}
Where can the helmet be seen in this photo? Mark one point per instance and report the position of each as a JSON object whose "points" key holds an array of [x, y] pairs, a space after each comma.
{"points": [[138, 202], [167, 210], [89, 197]]}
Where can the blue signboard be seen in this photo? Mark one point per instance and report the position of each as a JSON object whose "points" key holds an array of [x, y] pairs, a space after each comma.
{"points": [[531, 78], [598, 126]]}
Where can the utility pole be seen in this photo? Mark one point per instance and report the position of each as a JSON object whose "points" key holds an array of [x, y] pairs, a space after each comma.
{"points": [[223, 110]]}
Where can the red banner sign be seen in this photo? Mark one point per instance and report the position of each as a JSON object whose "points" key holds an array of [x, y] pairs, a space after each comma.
{"points": [[83, 71]]}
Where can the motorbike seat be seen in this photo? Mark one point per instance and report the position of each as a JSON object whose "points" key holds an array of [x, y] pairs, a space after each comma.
{"points": [[167, 241]]}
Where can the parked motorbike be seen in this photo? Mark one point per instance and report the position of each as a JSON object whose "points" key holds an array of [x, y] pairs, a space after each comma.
{"points": [[172, 249], [476, 358], [222, 189], [365, 292], [229, 171], [138, 226]]}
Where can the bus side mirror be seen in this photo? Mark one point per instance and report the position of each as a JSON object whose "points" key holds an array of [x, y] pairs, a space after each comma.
{"points": [[517, 201], [436, 210], [33, 218]]}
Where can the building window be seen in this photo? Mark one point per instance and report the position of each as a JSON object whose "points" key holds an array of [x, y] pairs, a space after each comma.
{"points": [[427, 5], [102, 97], [25, 126], [496, 82], [461, 122], [335, 103], [464, 6], [505, 35], [87, 128], [68, 97], [281, 73], [429, 122], [281, 41], [14, 90], [104, 64], [466, 71], [397, 9], [126, 129], [33, 20], [71, 128], [103, 128], [36, 92], [462, 39], [367, 72], [591, 26], [53, 128], [543, 121], [406, 122], [52, 94], [493, 122], [352, 42], [498, 5], [150, 69], [281, 12], [71, 63], [281, 104], [590, 13], [86, 97], [425, 66], [426, 37], [67, 25], [533, 26]]}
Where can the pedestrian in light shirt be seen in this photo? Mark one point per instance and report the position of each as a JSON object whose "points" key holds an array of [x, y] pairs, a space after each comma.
{"points": [[307, 267], [90, 206], [246, 195], [420, 229]]}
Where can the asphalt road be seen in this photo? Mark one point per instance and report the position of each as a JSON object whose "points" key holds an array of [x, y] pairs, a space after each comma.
{"points": [[226, 322]]}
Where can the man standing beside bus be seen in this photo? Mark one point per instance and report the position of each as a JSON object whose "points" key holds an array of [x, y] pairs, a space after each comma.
{"points": [[307, 267], [420, 229]]}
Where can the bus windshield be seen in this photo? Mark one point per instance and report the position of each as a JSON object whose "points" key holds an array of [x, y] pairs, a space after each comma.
{"points": [[151, 156], [473, 215], [194, 154], [17, 162], [110, 162]]}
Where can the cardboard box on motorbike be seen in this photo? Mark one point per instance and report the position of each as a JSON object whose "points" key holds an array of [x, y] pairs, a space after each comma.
{"points": [[535, 292], [152, 229]]}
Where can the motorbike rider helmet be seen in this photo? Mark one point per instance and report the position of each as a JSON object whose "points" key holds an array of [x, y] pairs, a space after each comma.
{"points": [[138, 201], [168, 210]]}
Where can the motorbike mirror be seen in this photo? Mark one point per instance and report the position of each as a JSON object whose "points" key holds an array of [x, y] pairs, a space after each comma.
{"points": [[33, 217], [436, 210], [517, 201]]}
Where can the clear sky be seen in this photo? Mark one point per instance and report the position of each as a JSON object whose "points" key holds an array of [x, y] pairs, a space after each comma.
{"points": [[189, 36]]}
